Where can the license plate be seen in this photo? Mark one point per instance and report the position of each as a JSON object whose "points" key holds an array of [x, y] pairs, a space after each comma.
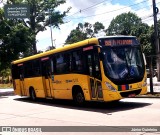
{"points": [[132, 95]]}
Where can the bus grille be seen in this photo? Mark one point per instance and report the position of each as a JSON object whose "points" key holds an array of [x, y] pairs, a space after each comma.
{"points": [[127, 94]]}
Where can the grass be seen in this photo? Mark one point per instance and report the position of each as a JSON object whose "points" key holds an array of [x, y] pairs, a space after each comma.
{"points": [[155, 94], [5, 86]]}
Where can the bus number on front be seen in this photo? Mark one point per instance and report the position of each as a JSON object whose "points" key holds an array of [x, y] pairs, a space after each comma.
{"points": [[108, 43]]}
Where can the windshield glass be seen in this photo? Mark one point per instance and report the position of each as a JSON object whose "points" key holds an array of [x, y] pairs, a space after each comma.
{"points": [[123, 63]]}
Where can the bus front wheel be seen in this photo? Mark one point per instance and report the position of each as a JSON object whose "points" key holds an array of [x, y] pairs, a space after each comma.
{"points": [[78, 97], [32, 94]]}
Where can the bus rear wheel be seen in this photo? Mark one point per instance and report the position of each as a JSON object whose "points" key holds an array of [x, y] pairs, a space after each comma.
{"points": [[78, 98], [32, 94]]}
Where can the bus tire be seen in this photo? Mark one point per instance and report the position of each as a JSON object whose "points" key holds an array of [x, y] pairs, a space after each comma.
{"points": [[78, 96], [32, 94]]}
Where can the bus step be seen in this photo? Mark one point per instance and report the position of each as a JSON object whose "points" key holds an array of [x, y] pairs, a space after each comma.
{"points": [[49, 98]]}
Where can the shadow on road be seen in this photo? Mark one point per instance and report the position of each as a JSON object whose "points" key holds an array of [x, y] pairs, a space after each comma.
{"points": [[103, 107]]}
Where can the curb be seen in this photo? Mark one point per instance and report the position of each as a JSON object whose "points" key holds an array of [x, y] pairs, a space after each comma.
{"points": [[149, 95], [145, 96], [7, 93], [155, 84]]}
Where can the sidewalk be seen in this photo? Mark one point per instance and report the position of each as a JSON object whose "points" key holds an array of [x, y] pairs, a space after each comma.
{"points": [[156, 85], [6, 92]]}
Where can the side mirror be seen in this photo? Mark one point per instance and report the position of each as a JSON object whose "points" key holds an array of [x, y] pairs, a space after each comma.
{"points": [[144, 58]]}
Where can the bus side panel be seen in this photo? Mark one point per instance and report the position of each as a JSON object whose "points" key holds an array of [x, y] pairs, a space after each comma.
{"points": [[37, 84], [83, 81], [17, 90], [63, 84], [60, 87], [144, 90]]}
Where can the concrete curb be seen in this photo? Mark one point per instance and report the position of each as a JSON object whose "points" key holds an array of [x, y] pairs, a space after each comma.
{"points": [[7, 93], [147, 96], [155, 84]]}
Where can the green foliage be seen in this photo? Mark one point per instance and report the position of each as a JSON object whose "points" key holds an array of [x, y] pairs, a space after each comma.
{"points": [[130, 24], [18, 36], [15, 42], [123, 24], [84, 31], [43, 13]]}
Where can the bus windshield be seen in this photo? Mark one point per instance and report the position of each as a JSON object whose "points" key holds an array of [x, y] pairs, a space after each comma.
{"points": [[123, 64]]}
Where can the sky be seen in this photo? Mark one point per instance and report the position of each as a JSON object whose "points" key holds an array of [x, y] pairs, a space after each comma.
{"points": [[92, 11]]}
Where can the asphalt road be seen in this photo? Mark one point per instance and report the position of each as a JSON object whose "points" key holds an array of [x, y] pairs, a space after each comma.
{"points": [[18, 111]]}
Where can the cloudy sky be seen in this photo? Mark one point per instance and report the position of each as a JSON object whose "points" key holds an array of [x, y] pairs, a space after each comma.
{"points": [[92, 11]]}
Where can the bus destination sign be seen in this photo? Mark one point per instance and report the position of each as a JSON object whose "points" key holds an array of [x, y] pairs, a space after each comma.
{"points": [[116, 42]]}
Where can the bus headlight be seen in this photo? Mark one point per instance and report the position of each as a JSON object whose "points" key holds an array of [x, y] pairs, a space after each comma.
{"points": [[110, 87]]}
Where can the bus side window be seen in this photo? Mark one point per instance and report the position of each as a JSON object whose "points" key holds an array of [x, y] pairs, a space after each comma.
{"points": [[59, 63], [67, 62], [15, 72], [28, 69], [36, 68], [89, 59], [77, 61], [97, 72], [53, 64]]}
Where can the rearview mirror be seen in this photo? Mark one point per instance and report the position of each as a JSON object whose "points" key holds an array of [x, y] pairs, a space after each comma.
{"points": [[144, 59]]}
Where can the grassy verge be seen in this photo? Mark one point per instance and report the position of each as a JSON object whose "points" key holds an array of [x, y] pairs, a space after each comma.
{"points": [[155, 94], [5, 86]]}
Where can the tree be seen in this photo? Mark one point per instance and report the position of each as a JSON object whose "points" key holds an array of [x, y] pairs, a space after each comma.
{"points": [[144, 33], [130, 24], [123, 24], [15, 42], [42, 14], [84, 31]]}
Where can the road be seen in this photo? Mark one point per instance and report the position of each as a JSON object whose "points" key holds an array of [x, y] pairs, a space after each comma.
{"points": [[18, 111]]}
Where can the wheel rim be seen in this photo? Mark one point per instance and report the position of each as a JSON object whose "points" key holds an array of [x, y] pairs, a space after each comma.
{"points": [[79, 98], [33, 96]]}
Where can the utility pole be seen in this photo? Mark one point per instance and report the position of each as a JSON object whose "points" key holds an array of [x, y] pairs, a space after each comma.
{"points": [[155, 11], [50, 12]]}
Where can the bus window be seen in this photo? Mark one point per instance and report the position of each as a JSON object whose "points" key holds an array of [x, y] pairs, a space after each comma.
{"points": [[28, 69], [77, 61], [36, 68], [15, 72], [46, 68], [89, 58], [92, 63], [59, 63], [67, 62]]}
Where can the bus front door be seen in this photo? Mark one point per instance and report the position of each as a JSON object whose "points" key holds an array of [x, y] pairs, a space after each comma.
{"points": [[46, 67], [93, 66], [21, 80]]}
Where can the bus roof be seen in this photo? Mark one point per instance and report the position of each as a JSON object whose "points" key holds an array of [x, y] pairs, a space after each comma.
{"points": [[117, 36], [61, 49], [68, 47]]}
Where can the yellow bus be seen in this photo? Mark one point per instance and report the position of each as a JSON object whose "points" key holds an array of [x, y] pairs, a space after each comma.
{"points": [[96, 69]]}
